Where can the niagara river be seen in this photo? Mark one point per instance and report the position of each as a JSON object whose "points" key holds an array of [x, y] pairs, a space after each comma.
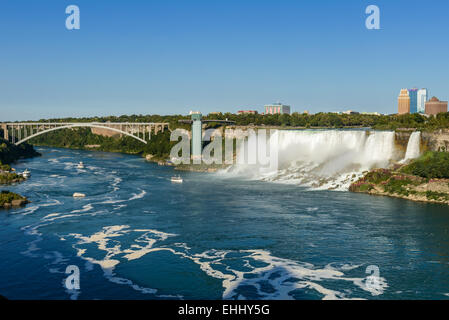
{"points": [[137, 235]]}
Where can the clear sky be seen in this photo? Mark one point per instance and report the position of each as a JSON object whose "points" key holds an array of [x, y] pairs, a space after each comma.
{"points": [[168, 57]]}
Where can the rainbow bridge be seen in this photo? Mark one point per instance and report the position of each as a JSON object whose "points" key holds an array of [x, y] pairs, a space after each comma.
{"points": [[19, 132]]}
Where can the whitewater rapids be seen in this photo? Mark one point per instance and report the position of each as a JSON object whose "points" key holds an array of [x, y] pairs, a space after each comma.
{"points": [[327, 159]]}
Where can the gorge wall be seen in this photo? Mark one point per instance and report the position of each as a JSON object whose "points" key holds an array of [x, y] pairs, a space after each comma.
{"points": [[437, 140]]}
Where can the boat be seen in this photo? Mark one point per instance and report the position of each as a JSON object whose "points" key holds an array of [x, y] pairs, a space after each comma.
{"points": [[26, 173], [78, 195], [80, 165], [176, 179]]}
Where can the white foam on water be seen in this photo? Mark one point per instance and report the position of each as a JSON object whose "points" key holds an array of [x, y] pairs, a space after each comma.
{"points": [[53, 202], [85, 208], [284, 276], [142, 245], [116, 183], [139, 195], [110, 201], [31, 209], [235, 268], [51, 215]]}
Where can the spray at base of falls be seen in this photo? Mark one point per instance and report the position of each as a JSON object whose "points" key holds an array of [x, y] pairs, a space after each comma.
{"points": [[328, 159]]}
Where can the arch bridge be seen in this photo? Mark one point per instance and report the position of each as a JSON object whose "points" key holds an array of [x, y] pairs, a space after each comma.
{"points": [[19, 132]]}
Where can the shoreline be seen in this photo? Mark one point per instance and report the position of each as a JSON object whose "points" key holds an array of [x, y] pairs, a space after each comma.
{"points": [[395, 184], [397, 196], [10, 200], [9, 154]]}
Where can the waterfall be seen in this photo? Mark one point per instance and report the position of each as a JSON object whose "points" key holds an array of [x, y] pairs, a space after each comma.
{"points": [[325, 159], [413, 146]]}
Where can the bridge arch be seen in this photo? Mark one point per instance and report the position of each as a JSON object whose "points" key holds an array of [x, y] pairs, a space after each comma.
{"points": [[79, 125]]}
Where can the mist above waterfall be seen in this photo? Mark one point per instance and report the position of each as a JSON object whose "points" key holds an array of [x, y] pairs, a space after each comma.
{"points": [[326, 159]]}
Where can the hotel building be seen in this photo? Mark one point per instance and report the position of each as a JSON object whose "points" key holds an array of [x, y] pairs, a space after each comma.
{"points": [[435, 106], [404, 102]]}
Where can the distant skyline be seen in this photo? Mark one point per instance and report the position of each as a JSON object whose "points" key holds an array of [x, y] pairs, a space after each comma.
{"points": [[172, 56]]}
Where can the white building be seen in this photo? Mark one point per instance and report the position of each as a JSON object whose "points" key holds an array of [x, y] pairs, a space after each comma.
{"points": [[423, 97], [277, 108]]}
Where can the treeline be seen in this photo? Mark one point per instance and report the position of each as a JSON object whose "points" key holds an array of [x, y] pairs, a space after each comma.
{"points": [[10, 152], [333, 120], [318, 120]]}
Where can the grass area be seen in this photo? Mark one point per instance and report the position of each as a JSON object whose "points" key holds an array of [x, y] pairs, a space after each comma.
{"points": [[398, 185], [378, 176], [431, 195], [431, 165], [388, 181]]}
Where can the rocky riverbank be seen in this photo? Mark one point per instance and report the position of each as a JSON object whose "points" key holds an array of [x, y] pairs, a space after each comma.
{"points": [[10, 177], [425, 179], [185, 167], [394, 184], [10, 153], [10, 199]]}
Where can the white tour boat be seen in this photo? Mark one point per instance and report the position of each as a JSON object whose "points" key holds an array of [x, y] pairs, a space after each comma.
{"points": [[78, 195], [26, 173], [177, 179]]}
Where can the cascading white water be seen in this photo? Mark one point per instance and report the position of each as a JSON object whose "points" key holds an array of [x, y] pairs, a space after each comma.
{"points": [[325, 159], [413, 146]]}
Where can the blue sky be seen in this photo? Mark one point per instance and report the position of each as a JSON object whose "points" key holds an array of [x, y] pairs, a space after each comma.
{"points": [[168, 57]]}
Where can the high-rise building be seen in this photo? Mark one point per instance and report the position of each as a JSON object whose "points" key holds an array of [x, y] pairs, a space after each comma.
{"points": [[413, 94], [435, 106], [403, 102], [277, 108], [423, 97]]}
